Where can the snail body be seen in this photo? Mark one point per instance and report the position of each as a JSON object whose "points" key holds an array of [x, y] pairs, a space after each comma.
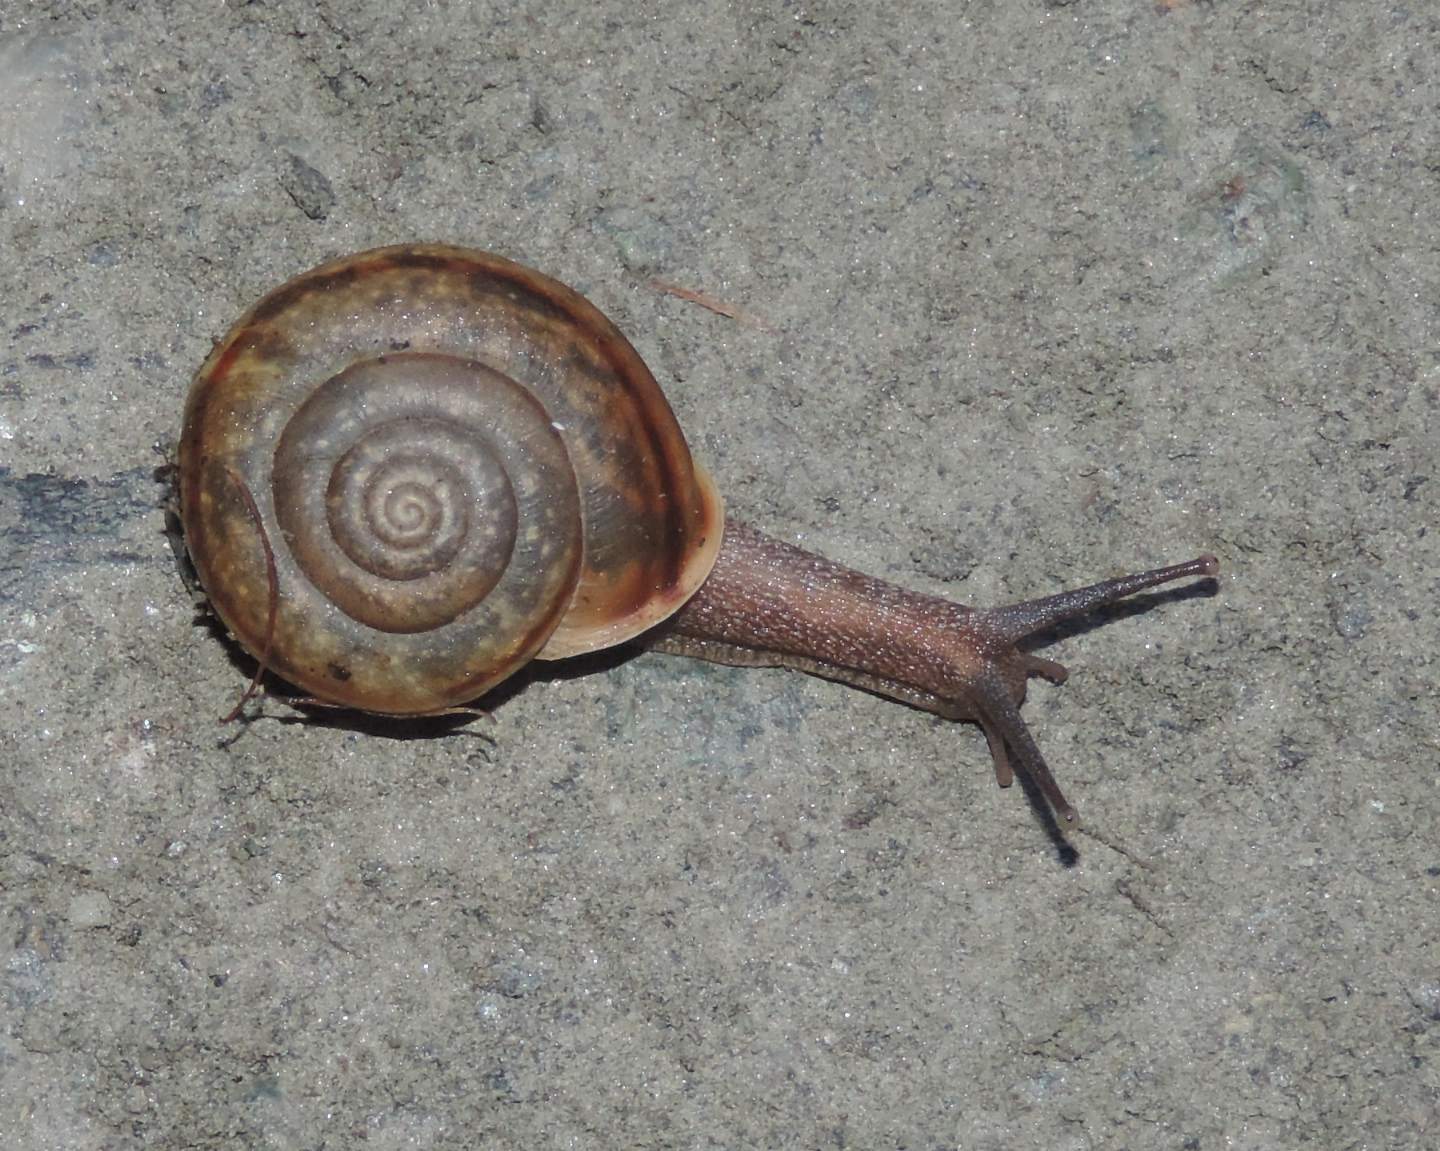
{"points": [[406, 473]]}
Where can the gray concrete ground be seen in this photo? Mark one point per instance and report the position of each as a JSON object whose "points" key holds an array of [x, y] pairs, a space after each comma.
{"points": [[1030, 293]]}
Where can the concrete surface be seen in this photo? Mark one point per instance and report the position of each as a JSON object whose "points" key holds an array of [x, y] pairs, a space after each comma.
{"points": [[1031, 293]]}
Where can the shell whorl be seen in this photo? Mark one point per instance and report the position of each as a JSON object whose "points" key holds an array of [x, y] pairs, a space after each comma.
{"points": [[400, 485], [460, 463]]}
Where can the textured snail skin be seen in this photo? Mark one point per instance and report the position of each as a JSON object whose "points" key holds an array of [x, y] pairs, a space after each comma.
{"points": [[407, 472], [767, 603]]}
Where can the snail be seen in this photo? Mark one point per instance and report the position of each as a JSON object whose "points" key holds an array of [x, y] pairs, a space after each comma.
{"points": [[405, 473]]}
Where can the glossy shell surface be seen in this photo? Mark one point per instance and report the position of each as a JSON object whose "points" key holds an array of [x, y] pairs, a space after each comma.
{"points": [[459, 463]]}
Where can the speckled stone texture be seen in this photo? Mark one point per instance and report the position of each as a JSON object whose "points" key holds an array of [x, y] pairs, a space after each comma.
{"points": [[1024, 295]]}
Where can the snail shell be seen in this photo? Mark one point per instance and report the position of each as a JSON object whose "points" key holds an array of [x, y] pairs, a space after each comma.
{"points": [[461, 464]]}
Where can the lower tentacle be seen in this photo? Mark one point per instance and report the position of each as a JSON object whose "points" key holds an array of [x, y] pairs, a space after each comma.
{"points": [[1000, 712], [1056, 673], [1004, 773]]}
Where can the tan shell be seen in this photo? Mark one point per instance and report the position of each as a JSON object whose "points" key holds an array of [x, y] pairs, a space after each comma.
{"points": [[460, 464]]}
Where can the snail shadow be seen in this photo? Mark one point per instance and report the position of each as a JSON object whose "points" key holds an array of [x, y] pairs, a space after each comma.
{"points": [[1067, 855], [462, 722]]}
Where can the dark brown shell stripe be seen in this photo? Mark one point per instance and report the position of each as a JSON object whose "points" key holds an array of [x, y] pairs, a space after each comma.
{"points": [[651, 519]]}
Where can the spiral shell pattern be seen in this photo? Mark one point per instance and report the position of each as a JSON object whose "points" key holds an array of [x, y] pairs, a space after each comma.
{"points": [[398, 485], [459, 464]]}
